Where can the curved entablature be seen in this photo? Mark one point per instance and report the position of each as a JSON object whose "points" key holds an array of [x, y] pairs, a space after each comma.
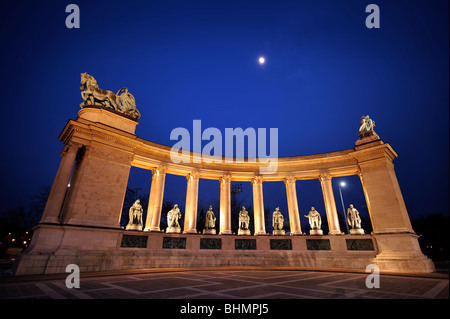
{"points": [[91, 182], [101, 147], [95, 127]]}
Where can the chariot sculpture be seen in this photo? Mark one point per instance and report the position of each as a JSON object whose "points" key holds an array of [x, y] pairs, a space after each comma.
{"points": [[123, 101]]}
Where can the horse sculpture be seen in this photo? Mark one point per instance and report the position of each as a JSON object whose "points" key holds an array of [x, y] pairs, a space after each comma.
{"points": [[122, 101]]}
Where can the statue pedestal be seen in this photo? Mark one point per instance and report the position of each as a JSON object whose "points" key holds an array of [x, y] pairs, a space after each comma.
{"points": [[244, 231], [357, 231], [134, 227], [98, 114], [106, 249], [209, 231], [173, 230], [316, 232], [368, 139], [278, 232]]}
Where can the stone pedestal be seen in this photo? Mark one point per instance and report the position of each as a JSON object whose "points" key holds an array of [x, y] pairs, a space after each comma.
{"points": [[401, 253], [278, 232], [368, 139], [108, 117], [357, 231], [209, 231], [100, 175], [101, 147], [134, 227], [104, 249], [173, 230], [243, 232], [316, 232]]}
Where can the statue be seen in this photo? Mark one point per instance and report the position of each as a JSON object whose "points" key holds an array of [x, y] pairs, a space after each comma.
{"points": [[210, 222], [315, 222], [277, 222], [244, 221], [366, 125], [173, 217], [122, 102], [135, 216], [354, 221]]}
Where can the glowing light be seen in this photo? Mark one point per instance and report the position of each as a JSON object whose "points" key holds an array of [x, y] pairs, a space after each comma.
{"points": [[262, 60], [343, 184]]}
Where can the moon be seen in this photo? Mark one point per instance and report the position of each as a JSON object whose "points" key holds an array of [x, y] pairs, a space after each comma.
{"points": [[261, 60]]}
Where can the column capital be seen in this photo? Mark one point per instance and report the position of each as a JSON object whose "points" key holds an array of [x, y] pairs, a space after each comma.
{"points": [[161, 169], [289, 180], [226, 178], [360, 174], [71, 147], [74, 145], [324, 176], [194, 175], [257, 180]]}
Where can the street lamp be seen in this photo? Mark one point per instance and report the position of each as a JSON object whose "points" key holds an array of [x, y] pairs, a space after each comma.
{"points": [[342, 184]]}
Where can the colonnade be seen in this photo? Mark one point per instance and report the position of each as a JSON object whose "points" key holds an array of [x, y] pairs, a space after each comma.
{"points": [[101, 147], [58, 192], [157, 192]]}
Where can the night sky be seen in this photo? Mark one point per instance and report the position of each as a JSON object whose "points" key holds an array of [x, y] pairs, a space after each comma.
{"points": [[187, 60]]}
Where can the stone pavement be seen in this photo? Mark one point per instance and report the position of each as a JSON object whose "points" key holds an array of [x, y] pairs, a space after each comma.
{"points": [[229, 284]]}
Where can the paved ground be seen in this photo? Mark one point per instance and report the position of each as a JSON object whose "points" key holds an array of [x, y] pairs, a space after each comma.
{"points": [[257, 284]]}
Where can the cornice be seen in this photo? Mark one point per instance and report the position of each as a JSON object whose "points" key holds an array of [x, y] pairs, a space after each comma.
{"points": [[148, 155]]}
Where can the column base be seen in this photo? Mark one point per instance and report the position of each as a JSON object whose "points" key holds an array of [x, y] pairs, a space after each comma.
{"points": [[244, 232], [261, 233], [190, 231], [153, 229], [134, 227], [173, 230], [401, 253], [335, 232], [404, 264], [49, 220], [226, 232], [357, 231]]}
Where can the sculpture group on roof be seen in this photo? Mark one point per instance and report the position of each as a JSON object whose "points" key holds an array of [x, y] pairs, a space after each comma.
{"points": [[123, 101]]}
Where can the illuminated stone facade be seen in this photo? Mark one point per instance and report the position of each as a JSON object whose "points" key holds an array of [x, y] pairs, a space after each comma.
{"points": [[82, 226]]}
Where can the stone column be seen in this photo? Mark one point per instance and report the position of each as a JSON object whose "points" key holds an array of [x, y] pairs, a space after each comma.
{"points": [[156, 199], [258, 206], [330, 204], [190, 217], [294, 218], [98, 187], [398, 247], [59, 187], [384, 198], [225, 205]]}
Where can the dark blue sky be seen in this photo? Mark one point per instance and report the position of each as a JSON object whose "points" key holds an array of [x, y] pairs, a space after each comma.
{"points": [[186, 60]]}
